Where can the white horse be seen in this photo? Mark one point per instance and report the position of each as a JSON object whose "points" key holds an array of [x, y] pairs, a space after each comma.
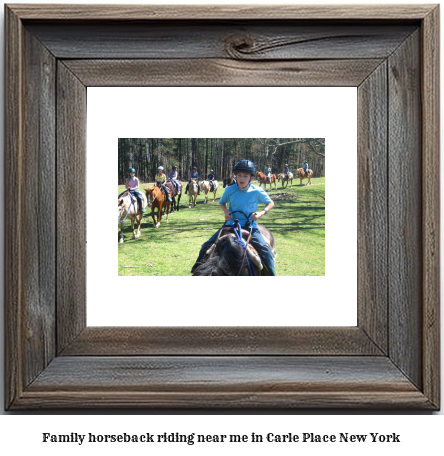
{"points": [[192, 193], [128, 207], [205, 186]]}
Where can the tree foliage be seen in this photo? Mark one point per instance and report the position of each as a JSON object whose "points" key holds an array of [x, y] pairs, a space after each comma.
{"points": [[220, 154]]}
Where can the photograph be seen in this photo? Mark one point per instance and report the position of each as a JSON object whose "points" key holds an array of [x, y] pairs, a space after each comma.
{"points": [[221, 206]]}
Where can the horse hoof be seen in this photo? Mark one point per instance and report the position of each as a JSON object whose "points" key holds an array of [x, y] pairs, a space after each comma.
{"points": [[121, 241]]}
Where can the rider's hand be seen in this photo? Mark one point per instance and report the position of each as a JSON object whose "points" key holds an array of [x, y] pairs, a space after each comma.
{"points": [[228, 217], [255, 216]]}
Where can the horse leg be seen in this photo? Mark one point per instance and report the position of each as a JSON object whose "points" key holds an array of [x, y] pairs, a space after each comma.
{"points": [[152, 215], [121, 232], [178, 201], [159, 216], [132, 227], [139, 221]]}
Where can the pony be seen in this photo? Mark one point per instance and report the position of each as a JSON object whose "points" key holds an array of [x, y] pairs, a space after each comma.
{"points": [[157, 199], [262, 178], [173, 194], [205, 186], [128, 207], [303, 175], [192, 192], [286, 178], [228, 258], [229, 181]]}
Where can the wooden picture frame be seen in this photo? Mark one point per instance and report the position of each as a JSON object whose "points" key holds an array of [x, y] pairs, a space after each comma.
{"points": [[389, 360]]}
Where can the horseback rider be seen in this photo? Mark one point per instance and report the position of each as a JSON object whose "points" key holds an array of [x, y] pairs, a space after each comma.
{"points": [[160, 182], [172, 176], [194, 175], [305, 167], [268, 172], [211, 177], [244, 197], [132, 183], [286, 169]]}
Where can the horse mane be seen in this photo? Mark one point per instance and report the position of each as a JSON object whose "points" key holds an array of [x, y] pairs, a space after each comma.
{"points": [[226, 260]]}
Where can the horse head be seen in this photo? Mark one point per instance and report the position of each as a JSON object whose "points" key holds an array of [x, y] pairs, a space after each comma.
{"points": [[149, 195]]}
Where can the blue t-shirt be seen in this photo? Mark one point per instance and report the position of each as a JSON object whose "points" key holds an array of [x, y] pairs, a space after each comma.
{"points": [[245, 201], [194, 175]]}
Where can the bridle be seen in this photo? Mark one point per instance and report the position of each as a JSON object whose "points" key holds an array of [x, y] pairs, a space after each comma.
{"points": [[128, 210]]}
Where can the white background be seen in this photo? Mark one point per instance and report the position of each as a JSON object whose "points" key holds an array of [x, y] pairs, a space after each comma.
{"points": [[264, 112], [20, 434]]}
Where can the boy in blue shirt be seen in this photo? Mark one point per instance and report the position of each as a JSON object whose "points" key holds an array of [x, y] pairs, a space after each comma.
{"points": [[305, 167], [244, 197], [194, 175]]}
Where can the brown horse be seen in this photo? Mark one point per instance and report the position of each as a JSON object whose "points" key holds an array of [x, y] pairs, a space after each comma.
{"points": [[157, 199], [303, 175], [286, 178], [205, 186], [173, 193], [262, 178], [192, 192], [128, 207]]}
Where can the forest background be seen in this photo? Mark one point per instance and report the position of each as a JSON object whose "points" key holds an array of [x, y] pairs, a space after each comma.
{"points": [[220, 154]]}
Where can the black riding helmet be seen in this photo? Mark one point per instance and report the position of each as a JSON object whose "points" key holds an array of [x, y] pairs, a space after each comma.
{"points": [[244, 166]]}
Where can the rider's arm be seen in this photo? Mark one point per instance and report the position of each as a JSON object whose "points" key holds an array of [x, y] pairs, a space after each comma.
{"points": [[258, 215], [226, 212]]}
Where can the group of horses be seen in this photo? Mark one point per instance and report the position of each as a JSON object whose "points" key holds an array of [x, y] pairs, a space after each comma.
{"points": [[205, 186], [158, 201], [285, 178]]}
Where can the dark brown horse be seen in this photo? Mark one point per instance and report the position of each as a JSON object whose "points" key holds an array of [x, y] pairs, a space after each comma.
{"points": [[229, 181], [174, 193], [157, 199], [262, 178], [228, 258]]}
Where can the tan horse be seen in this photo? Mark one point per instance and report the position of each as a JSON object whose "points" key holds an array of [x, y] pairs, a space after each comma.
{"points": [[128, 207], [205, 186], [262, 178], [192, 192], [302, 175], [157, 199], [286, 179]]}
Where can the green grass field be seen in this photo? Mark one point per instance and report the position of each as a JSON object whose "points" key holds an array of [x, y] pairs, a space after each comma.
{"points": [[297, 222]]}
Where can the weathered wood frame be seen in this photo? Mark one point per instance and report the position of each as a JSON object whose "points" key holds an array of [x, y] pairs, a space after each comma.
{"points": [[390, 360]]}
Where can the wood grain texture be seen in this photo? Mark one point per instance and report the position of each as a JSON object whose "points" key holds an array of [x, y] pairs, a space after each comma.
{"points": [[405, 208], [209, 72], [220, 12], [127, 341], [209, 367], [39, 202], [430, 93], [236, 40], [372, 207], [233, 382], [13, 204], [71, 206]]}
